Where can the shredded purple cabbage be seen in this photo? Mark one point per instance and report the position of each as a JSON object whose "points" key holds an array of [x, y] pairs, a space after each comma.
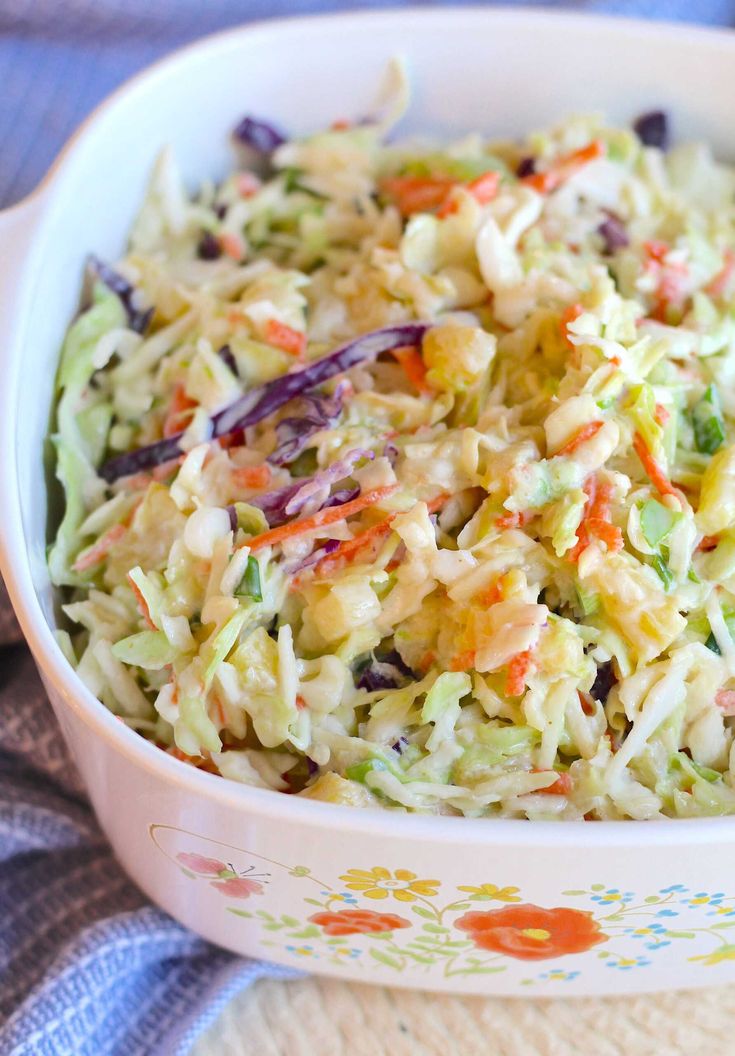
{"points": [[260, 135], [653, 129], [262, 401], [314, 492], [613, 232], [341, 496], [138, 318], [294, 433], [232, 514], [208, 247], [388, 673], [225, 354], [400, 744], [604, 681], [526, 167]]}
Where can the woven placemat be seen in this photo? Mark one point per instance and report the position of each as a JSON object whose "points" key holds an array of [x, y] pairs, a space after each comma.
{"points": [[325, 1017]]}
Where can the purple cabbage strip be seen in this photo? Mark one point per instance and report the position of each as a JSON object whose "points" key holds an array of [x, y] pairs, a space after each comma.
{"points": [[260, 135], [208, 247], [295, 432], [341, 496], [613, 232], [604, 681], [388, 673], [138, 318], [262, 401], [316, 555], [225, 354], [526, 167], [653, 129], [232, 514], [315, 491]]}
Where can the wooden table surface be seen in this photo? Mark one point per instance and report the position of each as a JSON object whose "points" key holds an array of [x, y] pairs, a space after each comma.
{"points": [[326, 1017]]}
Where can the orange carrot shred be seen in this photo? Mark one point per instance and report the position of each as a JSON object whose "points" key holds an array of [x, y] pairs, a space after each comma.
{"points": [[725, 701], [570, 313], [561, 787], [518, 668], [179, 412], [661, 414], [563, 168], [96, 553], [580, 437], [251, 476], [654, 472], [286, 338], [145, 612], [718, 285], [483, 189], [413, 367], [463, 661], [320, 519], [417, 194]]}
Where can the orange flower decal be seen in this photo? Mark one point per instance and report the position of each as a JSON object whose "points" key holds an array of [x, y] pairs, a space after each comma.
{"points": [[358, 922], [531, 933]]}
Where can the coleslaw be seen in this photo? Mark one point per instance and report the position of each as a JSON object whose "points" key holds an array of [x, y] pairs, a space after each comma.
{"points": [[401, 474]]}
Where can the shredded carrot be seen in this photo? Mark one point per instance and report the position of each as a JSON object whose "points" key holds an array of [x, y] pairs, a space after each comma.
{"points": [[341, 125], [220, 711], [251, 476], [608, 533], [490, 596], [463, 661], [513, 520], [286, 338], [518, 668], [661, 414], [413, 367], [234, 439], [320, 519], [179, 412], [656, 249], [561, 787], [248, 184], [655, 474], [586, 702], [145, 612], [580, 437], [719, 284], [563, 168], [300, 702], [483, 189], [96, 553], [725, 701], [596, 520], [417, 194], [232, 245], [427, 660], [707, 543], [347, 550], [570, 313]]}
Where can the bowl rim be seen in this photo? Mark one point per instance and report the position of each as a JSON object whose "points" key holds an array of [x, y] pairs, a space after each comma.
{"points": [[15, 558]]}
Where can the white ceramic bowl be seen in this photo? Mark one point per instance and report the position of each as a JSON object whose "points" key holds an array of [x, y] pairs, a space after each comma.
{"points": [[607, 907]]}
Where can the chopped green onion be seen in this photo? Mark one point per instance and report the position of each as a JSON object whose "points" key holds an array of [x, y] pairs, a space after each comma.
{"points": [[657, 521], [250, 586], [663, 571], [709, 425]]}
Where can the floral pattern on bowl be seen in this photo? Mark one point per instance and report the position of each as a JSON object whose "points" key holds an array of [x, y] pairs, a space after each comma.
{"points": [[396, 920]]}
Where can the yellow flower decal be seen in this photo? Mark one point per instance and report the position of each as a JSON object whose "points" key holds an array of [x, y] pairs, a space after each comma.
{"points": [[485, 892], [379, 883], [724, 953]]}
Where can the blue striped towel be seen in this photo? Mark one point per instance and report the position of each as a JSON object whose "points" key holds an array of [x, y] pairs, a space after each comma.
{"points": [[87, 966]]}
